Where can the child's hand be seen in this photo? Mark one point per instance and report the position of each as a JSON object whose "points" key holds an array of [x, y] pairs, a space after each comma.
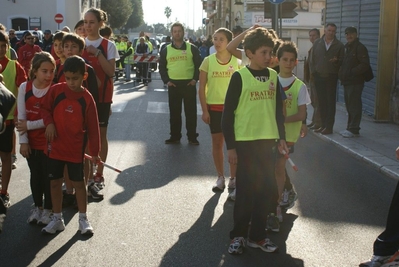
{"points": [[50, 133], [91, 49], [22, 126], [25, 150], [304, 130], [232, 156], [205, 117], [96, 160], [282, 146]]}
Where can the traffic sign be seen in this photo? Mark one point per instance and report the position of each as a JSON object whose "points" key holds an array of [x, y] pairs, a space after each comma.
{"points": [[59, 18], [276, 1]]}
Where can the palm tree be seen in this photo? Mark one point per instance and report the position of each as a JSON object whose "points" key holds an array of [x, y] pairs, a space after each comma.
{"points": [[167, 12]]}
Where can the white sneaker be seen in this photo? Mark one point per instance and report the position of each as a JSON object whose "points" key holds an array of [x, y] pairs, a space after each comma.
{"points": [[382, 261], [232, 183], [14, 161], [54, 225], [232, 195], [220, 185], [348, 134], [85, 227], [35, 215], [45, 218]]}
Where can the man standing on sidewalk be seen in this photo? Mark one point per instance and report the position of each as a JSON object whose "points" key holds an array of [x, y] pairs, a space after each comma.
{"points": [[314, 34], [356, 62], [326, 58], [179, 68]]}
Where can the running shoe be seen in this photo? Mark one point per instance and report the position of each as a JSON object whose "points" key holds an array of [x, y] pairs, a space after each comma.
{"points": [[94, 192], [237, 245], [99, 180], [14, 161], [232, 196], [35, 215], [45, 218], [232, 183], [6, 200], [85, 227], [220, 185], [288, 199], [265, 245], [55, 225], [382, 261], [272, 223]]}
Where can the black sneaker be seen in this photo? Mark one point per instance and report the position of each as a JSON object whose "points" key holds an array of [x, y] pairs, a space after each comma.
{"points": [[272, 223], [94, 192], [6, 200], [172, 141], [193, 142]]}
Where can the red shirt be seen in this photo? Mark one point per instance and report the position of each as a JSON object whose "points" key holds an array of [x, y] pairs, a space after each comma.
{"points": [[21, 75], [25, 55], [75, 118], [37, 139]]}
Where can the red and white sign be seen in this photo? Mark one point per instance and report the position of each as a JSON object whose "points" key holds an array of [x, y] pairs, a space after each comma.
{"points": [[148, 59], [59, 18]]}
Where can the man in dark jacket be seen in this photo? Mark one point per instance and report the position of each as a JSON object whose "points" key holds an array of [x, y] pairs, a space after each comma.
{"points": [[356, 62], [326, 59], [47, 41]]}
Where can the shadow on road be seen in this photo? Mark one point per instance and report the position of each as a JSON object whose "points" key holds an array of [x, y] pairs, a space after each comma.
{"points": [[203, 238]]}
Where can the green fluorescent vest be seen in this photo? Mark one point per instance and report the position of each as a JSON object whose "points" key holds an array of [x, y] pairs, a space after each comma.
{"points": [[218, 79], [9, 74], [180, 63], [293, 129], [255, 116], [129, 59]]}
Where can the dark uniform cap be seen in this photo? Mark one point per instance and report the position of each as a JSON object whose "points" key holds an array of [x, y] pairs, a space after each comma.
{"points": [[237, 29], [350, 30]]}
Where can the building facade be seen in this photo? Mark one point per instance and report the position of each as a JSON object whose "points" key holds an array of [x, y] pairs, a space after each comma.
{"points": [[40, 14]]}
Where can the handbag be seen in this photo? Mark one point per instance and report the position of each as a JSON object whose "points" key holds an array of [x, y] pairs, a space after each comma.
{"points": [[368, 75]]}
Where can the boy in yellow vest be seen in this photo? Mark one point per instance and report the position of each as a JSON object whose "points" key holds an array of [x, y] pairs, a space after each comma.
{"points": [[295, 105], [253, 127]]}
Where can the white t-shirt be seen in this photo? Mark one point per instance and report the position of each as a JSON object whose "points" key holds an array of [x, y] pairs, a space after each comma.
{"points": [[212, 50], [112, 53], [303, 95], [244, 59], [31, 125]]}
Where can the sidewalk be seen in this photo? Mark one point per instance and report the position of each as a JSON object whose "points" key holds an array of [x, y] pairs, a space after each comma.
{"points": [[376, 144]]}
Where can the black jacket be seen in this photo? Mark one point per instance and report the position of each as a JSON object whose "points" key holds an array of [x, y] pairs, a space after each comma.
{"points": [[356, 62]]}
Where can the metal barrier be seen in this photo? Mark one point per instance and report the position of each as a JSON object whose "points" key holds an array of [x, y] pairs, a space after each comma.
{"points": [[145, 65]]}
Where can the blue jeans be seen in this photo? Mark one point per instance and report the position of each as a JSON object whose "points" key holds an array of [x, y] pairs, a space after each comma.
{"points": [[128, 71]]}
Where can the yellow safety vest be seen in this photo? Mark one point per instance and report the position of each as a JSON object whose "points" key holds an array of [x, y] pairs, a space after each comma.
{"points": [[9, 74], [255, 116], [218, 79], [293, 129], [180, 63], [129, 59]]}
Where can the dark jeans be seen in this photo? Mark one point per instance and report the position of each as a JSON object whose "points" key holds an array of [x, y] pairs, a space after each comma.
{"points": [[315, 104], [387, 243], [143, 71], [188, 95], [353, 103], [39, 182], [326, 89], [256, 188]]}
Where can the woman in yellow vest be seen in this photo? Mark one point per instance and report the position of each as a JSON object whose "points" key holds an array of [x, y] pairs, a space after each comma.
{"points": [[215, 73], [128, 60]]}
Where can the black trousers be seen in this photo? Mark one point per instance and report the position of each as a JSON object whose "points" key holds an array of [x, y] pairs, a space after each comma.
{"points": [[353, 103], [387, 242], [326, 89], [39, 181], [186, 94], [256, 188]]}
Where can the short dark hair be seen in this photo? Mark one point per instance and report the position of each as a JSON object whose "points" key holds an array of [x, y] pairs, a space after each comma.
{"points": [[226, 32], [331, 24], [257, 38], [74, 38], [315, 30], [289, 47], [75, 64], [59, 36], [79, 23], [4, 37], [176, 24]]}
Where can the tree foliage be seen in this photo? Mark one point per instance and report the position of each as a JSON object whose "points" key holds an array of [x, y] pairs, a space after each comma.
{"points": [[136, 18], [168, 12], [118, 13]]}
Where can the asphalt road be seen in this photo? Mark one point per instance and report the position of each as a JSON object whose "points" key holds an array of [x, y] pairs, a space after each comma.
{"points": [[161, 211]]}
